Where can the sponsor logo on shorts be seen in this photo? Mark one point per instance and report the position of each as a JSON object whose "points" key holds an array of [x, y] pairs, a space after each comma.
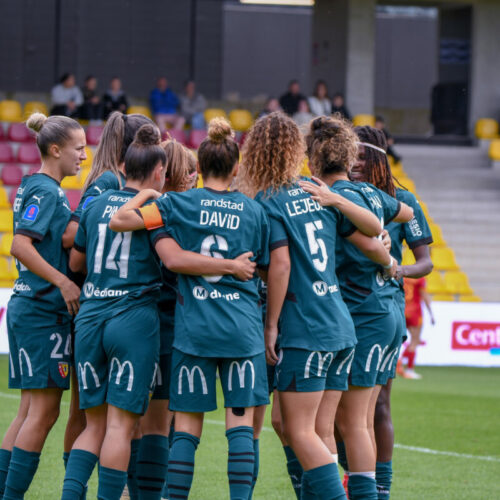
{"points": [[82, 372], [90, 291], [21, 287], [321, 288], [190, 377], [475, 336], [121, 368], [202, 293], [31, 212], [347, 362], [23, 353], [63, 369], [241, 373], [380, 355], [322, 360]]}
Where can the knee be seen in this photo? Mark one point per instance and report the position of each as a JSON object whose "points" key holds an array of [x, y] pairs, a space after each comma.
{"points": [[45, 419], [276, 423], [382, 411]]}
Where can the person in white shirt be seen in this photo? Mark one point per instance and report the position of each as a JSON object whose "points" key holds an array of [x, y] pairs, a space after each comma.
{"points": [[319, 103], [66, 97]]}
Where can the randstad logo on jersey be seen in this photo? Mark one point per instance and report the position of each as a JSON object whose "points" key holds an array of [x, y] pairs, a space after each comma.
{"points": [[90, 291], [220, 203], [202, 293], [31, 212], [321, 288]]}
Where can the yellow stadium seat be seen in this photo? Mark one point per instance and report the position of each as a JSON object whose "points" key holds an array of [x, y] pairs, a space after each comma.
{"points": [[241, 119], [141, 110], [443, 297], [457, 282], [6, 243], [306, 171], [494, 150], [211, 113], [84, 173], [90, 156], [408, 257], [407, 183], [34, 107], [486, 128], [360, 120], [469, 298], [6, 221], [6, 284], [199, 183], [435, 283], [444, 259], [10, 111], [8, 270], [397, 169], [4, 199], [72, 182], [424, 208], [437, 235]]}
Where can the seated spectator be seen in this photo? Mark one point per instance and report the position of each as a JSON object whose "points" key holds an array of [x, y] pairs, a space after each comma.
{"points": [[319, 102], [338, 106], [380, 124], [290, 100], [164, 105], [272, 105], [192, 106], [114, 99], [91, 108], [66, 97], [303, 115]]}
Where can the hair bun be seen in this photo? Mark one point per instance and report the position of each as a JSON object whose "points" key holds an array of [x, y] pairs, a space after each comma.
{"points": [[148, 135], [35, 121], [219, 130]]}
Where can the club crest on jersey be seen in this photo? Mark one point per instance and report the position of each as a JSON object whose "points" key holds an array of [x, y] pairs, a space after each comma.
{"points": [[63, 369], [31, 212]]}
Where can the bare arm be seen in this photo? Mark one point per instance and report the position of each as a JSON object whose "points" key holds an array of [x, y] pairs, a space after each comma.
{"points": [[278, 276], [68, 238], [422, 267], [126, 218], [405, 213], [77, 261], [184, 262], [25, 252]]}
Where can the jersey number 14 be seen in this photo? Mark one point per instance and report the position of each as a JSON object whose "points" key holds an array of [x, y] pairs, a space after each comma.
{"points": [[121, 242]]}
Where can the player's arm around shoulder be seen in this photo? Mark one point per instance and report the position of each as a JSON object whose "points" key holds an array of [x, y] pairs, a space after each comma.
{"points": [[127, 217]]}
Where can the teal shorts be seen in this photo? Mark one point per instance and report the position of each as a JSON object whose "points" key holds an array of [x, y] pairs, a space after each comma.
{"points": [[376, 350], [116, 358], [162, 381], [301, 370], [39, 347], [400, 337], [193, 388]]}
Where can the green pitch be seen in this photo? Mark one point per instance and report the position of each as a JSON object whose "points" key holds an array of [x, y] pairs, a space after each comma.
{"points": [[451, 410]]}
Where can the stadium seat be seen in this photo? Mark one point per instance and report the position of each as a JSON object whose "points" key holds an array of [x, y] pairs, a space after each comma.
{"points": [[90, 156], [196, 138], [12, 196], [435, 283], [360, 120], [6, 221], [408, 184], [11, 175], [443, 297], [34, 107], [141, 110], [486, 128], [241, 119], [305, 171], [19, 132], [178, 135], [73, 196], [469, 298], [199, 184], [444, 259], [28, 153], [408, 257], [457, 283], [437, 235], [94, 133], [2, 133], [72, 182], [34, 169], [6, 243], [494, 150], [211, 113], [6, 154], [10, 111], [4, 198], [424, 208], [6, 283], [8, 269]]}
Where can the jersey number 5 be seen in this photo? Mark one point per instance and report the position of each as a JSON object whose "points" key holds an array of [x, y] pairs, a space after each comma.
{"points": [[316, 245], [122, 240]]}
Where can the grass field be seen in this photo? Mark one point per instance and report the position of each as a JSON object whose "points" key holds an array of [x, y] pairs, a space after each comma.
{"points": [[451, 410]]}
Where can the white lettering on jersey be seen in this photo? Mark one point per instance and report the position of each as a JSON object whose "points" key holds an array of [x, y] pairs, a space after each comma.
{"points": [[223, 204], [303, 206], [219, 219]]}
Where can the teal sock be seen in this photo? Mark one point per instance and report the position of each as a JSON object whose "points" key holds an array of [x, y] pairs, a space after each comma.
{"points": [[152, 461], [181, 464], [323, 482], [79, 467], [22, 468], [164, 493], [4, 468], [383, 477], [133, 487], [240, 461], [295, 470], [65, 458], [256, 456], [111, 483], [342, 455], [362, 487]]}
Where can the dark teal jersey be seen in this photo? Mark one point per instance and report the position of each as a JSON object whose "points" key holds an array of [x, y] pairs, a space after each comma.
{"points": [[415, 232], [217, 316], [314, 316], [121, 267], [362, 282], [104, 182], [42, 212]]}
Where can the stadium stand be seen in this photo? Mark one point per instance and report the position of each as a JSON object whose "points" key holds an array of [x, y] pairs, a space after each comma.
{"points": [[6, 153], [10, 111], [11, 175], [18, 132], [28, 154], [143, 110], [94, 133], [178, 135], [6, 243], [360, 120], [4, 198], [6, 220], [196, 138], [486, 128], [34, 107], [241, 120], [74, 196], [214, 113]]}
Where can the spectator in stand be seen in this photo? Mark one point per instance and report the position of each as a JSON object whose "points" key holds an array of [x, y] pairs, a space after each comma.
{"points": [[290, 101], [319, 103], [193, 105], [114, 99], [380, 124], [66, 97], [303, 115], [338, 106], [164, 105], [272, 105], [91, 109]]}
